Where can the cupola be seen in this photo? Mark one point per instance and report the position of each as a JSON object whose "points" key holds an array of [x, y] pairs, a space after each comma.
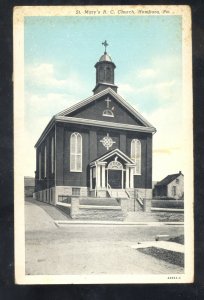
{"points": [[104, 72]]}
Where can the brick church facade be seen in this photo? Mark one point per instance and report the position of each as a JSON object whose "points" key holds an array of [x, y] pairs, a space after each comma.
{"points": [[100, 147]]}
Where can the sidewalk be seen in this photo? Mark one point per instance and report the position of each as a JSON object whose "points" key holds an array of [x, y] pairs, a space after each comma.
{"points": [[170, 246]]}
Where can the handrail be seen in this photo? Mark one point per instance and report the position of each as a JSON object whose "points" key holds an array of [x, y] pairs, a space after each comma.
{"points": [[139, 198], [127, 193]]}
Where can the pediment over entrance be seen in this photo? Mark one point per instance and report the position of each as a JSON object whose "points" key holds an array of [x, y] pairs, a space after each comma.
{"points": [[112, 156], [113, 170]]}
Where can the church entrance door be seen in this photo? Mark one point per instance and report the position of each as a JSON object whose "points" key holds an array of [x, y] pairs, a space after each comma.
{"points": [[115, 174], [115, 179]]}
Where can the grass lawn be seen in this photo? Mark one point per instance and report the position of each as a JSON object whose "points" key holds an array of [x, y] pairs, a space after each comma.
{"points": [[175, 258], [169, 216]]}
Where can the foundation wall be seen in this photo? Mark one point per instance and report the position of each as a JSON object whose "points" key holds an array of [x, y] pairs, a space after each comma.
{"points": [[94, 212], [51, 195]]}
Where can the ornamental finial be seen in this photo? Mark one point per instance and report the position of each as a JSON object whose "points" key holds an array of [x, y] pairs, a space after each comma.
{"points": [[105, 44]]}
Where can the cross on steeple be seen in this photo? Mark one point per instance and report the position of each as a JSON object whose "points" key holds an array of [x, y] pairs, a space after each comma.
{"points": [[105, 44], [108, 100]]}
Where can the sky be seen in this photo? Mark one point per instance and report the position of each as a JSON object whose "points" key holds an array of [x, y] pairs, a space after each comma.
{"points": [[59, 57]]}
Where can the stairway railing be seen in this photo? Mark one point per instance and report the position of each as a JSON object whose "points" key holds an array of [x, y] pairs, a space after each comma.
{"points": [[138, 198]]}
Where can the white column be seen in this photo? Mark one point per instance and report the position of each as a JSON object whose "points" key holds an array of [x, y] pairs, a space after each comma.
{"points": [[122, 179], [131, 178], [91, 177], [103, 177], [98, 174], [127, 177]]}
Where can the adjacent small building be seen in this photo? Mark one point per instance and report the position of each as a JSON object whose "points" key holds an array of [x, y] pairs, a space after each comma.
{"points": [[172, 186], [29, 186]]}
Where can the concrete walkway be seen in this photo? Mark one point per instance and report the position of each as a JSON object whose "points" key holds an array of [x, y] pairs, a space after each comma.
{"points": [[52, 211], [170, 246]]}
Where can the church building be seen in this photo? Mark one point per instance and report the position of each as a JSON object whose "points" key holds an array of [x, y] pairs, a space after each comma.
{"points": [[99, 147]]}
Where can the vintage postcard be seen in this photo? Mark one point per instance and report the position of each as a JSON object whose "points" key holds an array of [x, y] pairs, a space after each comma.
{"points": [[103, 137]]}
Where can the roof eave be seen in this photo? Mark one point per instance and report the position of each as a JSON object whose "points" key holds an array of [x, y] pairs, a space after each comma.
{"points": [[45, 131], [102, 93], [97, 123]]}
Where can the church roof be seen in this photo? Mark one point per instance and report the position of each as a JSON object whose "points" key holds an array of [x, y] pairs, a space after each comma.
{"points": [[64, 116], [117, 97], [105, 57], [168, 179]]}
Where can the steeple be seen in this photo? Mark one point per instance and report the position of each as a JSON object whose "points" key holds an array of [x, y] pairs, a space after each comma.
{"points": [[104, 72]]}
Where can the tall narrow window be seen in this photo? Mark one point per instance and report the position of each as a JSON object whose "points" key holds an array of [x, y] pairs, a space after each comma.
{"points": [[136, 155], [39, 166], [76, 152], [45, 162], [52, 155], [174, 190]]}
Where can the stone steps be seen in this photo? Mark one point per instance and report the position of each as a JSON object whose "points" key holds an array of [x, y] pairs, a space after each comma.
{"points": [[117, 193]]}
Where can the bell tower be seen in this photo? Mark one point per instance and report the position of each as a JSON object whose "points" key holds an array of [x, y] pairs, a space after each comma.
{"points": [[104, 72]]}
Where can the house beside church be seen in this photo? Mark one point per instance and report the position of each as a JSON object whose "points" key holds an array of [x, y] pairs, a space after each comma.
{"points": [[172, 187], [29, 186], [99, 147]]}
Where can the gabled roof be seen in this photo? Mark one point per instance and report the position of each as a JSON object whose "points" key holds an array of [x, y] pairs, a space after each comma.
{"points": [[168, 179], [110, 153], [117, 97], [62, 117]]}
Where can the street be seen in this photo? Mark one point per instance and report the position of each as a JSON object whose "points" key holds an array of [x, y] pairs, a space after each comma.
{"points": [[90, 249]]}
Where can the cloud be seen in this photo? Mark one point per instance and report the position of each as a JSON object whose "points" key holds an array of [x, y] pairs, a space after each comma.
{"points": [[161, 89], [41, 108], [146, 73], [45, 95], [44, 76], [50, 103], [126, 88], [157, 84]]}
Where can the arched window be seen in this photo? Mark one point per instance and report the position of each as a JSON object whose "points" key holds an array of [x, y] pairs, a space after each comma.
{"points": [[39, 166], [136, 155], [45, 162], [76, 152], [52, 155], [108, 113]]}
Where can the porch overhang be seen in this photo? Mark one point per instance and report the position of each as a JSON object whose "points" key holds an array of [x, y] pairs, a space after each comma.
{"points": [[103, 172], [102, 159]]}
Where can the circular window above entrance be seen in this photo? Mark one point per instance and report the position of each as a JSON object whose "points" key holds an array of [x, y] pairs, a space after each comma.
{"points": [[107, 141]]}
